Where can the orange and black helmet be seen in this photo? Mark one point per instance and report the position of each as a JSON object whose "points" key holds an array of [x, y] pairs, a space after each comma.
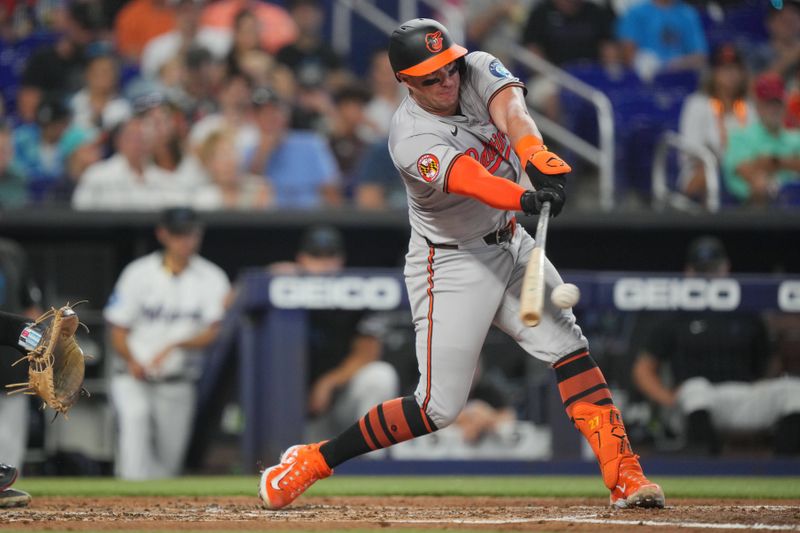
{"points": [[421, 46]]}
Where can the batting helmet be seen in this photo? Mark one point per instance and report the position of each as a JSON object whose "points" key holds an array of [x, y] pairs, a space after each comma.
{"points": [[421, 46]]}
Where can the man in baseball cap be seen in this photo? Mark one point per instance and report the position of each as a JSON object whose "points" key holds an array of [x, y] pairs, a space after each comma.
{"points": [[763, 156]]}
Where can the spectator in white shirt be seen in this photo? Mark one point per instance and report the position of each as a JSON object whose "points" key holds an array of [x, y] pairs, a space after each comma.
{"points": [[128, 180]]}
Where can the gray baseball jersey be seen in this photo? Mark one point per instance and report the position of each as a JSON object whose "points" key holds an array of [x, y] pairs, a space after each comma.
{"points": [[424, 146], [457, 291]]}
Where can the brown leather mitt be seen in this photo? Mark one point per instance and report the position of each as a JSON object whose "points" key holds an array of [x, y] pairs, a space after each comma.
{"points": [[56, 365]]}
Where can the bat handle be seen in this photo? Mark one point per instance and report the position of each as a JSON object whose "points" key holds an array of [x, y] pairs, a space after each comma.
{"points": [[541, 226]]}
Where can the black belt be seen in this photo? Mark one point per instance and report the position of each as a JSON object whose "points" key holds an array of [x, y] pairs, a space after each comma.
{"points": [[504, 234]]}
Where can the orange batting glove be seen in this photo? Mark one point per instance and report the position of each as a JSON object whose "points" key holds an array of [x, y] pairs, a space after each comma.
{"points": [[546, 171], [531, 150]]}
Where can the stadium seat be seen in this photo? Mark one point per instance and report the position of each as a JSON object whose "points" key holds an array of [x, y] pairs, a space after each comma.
{"points": [[789, 194]]}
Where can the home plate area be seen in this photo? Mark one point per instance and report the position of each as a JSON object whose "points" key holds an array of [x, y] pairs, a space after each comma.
{"points": [[418, 513]]}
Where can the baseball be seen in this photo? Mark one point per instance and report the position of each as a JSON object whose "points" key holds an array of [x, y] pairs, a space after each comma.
{"points": [[565, 295]]}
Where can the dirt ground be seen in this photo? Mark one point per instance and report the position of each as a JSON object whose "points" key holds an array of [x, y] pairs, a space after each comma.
{"points": [[324, 513]]}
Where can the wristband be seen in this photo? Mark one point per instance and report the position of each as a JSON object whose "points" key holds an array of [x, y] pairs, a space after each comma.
{"points": [[527, 146]]}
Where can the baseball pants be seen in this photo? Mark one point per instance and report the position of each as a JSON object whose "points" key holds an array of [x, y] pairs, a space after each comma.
{"points": [[155, 423], [741, 407], [456, 295]]}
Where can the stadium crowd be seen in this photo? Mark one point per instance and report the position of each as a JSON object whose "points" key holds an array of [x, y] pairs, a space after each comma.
{"points": [[243, 104]]}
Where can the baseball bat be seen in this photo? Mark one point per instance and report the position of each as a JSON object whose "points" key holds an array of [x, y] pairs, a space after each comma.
{"points": [[531, 298]]}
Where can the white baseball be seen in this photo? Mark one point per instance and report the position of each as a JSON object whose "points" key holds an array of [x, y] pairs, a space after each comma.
{"points": [[565, 295]]}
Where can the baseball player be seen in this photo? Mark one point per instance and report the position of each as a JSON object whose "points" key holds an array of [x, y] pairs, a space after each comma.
{"points": [[462, 140], [16, 331], [165, 307]]}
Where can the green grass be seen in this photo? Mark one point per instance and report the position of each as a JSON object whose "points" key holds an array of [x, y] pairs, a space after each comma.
{"points": [[512, 486]]}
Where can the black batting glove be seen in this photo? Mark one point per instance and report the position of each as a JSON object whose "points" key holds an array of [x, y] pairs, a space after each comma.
{"points": [[547, 186], [532, 201]]}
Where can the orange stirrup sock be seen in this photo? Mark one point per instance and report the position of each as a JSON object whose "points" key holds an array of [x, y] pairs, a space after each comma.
{"points": [[602, 426]]}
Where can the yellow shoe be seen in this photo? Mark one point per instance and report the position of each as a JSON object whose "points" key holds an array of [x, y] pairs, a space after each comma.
{"points": [[300, 467]]}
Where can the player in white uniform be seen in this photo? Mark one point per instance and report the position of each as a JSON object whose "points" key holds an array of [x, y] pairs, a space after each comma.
{"points": [[461, 141], [166, 306]]}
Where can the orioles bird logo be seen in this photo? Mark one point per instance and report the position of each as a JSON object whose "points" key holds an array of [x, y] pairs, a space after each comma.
{"points": [[433, 42], [428, 167]]}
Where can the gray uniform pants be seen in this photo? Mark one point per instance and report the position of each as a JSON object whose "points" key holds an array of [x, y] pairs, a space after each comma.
{"points": [[13, 428], [456, 295], [155, 422]]}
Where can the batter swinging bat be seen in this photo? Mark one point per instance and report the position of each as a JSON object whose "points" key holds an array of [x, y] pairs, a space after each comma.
{"points": [[531, 298]]}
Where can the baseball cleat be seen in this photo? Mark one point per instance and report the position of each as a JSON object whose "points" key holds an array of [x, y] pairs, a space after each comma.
{"points": [[8, 474], [300, 467], [14, 498], [633, 489]]}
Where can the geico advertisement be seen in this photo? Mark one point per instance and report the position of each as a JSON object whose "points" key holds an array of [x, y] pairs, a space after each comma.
{"points": [[345, 292], [695, 294]]}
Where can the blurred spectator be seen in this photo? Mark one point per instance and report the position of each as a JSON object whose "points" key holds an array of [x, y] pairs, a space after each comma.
{"points": [[234, 116], [165, 309], [57, 70], [781, 53], [39, 147], [19, 295], [378, 184], [139, 22], [312, 60], [662, 35], [13, 185], [387, 93], [571, 31], [495, 27], [128, 179], [717, 363], [247, 57], [710, 115], [203, 77], [793, 104], [298, 164], [763, 156], [81, 149], [98, 103], [346, 375], [230, 187], [349, 133], [165, 122], [277, 29], [488, 407], [186, 33]]}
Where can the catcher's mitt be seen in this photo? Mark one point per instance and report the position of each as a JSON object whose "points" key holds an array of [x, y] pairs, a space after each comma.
{"points": [[56, 364]]}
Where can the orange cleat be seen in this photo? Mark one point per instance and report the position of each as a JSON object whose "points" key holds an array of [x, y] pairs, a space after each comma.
{"points": [[300, 467], [633, 489], [603, 428]]}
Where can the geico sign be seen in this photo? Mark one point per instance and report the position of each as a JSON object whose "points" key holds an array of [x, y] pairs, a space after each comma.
{"points": [[346, 292], [789, 296], [658, 294]]}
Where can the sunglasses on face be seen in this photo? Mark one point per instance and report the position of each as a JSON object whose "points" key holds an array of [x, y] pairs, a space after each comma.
{"points": [[433, 81]]}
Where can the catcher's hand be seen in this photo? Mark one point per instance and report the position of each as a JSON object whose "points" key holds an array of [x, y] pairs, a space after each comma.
{"points": [[56, 362]]}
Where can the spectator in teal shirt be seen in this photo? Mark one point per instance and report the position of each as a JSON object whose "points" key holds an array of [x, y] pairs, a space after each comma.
{"points": [[763, 156], [658, 35], [13, 186]]}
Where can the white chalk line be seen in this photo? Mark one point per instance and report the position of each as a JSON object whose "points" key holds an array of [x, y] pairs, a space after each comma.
{"points": [[592, 519]]}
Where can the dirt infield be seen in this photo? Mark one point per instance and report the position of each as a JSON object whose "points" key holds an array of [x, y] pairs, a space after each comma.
{"points": [[364, 513]]}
